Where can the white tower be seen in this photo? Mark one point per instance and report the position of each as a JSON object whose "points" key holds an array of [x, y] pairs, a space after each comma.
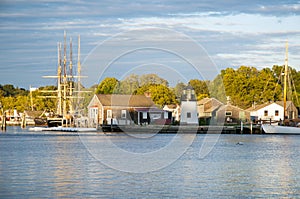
{"points": [[188, 114]]}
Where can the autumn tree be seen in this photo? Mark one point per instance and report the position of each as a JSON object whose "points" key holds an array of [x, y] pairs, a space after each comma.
{"points": [[247, 85], [178, 89], [129, 84], [200, 87], [109, 85], [152, 79], [160, 94]]}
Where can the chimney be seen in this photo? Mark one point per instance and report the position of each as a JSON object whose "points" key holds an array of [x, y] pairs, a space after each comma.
{"points": [[147, 94]]}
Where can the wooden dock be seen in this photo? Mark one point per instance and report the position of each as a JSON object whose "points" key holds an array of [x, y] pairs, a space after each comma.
{"points": [[255, 129]]}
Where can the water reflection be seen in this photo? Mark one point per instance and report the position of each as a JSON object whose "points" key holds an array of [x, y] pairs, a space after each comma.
{"points": [[54, 166]]}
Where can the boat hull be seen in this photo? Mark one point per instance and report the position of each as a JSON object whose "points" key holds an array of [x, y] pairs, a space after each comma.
{"points": [[63, 129], [272, 129]]}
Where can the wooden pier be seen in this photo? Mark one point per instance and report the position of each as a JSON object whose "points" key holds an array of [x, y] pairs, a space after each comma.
{"points": [[245, 129]]}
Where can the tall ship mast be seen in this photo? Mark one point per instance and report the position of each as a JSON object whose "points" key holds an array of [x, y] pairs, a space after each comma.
{"points": [[65, 84], [285, 81]]}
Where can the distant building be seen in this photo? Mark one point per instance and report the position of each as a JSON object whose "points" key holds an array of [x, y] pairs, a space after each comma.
{"points": [[273, 111], [207, 108], [125, 110], [175, 110], [188, 114], [232, 114]]}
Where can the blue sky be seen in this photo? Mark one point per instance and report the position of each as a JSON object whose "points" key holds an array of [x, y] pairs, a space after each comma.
{"points": [[231, 32]]}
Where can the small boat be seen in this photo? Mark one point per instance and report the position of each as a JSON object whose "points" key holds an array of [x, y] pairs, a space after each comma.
{"points": [[272, 129], [63, 129], [40, 121], [286, 128]]}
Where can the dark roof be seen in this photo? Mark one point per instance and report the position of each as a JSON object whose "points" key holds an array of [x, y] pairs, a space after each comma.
{"points": [[125, 100]]}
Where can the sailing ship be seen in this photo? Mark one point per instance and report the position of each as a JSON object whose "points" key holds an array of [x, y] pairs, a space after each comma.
{"points": [[285, 127], [63, 119]]}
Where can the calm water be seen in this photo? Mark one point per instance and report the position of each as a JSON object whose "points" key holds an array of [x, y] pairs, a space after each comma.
{"points": [[34, 165]]}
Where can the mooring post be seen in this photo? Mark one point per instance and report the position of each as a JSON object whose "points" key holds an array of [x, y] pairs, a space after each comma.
{"points": [[242, 126], [23, 122], [3, 126]]}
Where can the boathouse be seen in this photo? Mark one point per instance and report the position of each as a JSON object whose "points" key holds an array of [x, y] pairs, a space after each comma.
{"points": [[273, 111], [175, 110], [125, 110], [232, 114], [207, 108]]}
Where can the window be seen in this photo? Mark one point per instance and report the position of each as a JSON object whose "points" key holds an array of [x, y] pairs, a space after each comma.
{"points": [[228, 113], [145, 115], [276, 113], [123, 114], [93, 112], [109, 114], [188, 115], [166, 115], [266, 113]]}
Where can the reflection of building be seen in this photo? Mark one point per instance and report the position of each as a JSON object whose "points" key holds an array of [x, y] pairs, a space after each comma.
{"points": [[273, 111], [126, 110], [188, 113]]}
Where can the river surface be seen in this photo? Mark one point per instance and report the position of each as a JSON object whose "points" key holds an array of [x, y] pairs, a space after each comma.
{"points": [[55, 165]]}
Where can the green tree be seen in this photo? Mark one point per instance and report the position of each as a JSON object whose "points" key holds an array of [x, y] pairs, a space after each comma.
{"points": [[129, 84], [109, 85], [217, 89], [247, 85], [200, 87], [152, 79], [178, 89], [160, 94]]}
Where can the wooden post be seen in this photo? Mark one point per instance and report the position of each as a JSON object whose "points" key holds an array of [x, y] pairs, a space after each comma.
{"points": [[23, 123], [251, 127], [3, 126], [242, 126]]}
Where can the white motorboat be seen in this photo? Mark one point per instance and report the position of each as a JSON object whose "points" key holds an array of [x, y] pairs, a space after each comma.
{"points": [[272, 129]]}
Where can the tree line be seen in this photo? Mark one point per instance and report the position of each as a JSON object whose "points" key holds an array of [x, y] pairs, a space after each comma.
{"points": [[245, 86]]}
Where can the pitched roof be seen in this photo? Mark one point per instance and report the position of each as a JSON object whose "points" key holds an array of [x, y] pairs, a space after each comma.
{"points": [[288, 103], [210, 104], [172, 106], [125, 100], [231, 107], [206, 100], [258, 107]]}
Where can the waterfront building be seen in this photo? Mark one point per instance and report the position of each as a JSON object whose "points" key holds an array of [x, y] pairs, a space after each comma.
{"points": [[125, 110], [273, 111], [188, 114], [233, 114], [207, 108], [175, 110]]}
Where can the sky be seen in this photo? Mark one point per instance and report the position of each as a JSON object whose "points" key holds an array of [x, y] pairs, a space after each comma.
{"points": [[177, 39]]}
